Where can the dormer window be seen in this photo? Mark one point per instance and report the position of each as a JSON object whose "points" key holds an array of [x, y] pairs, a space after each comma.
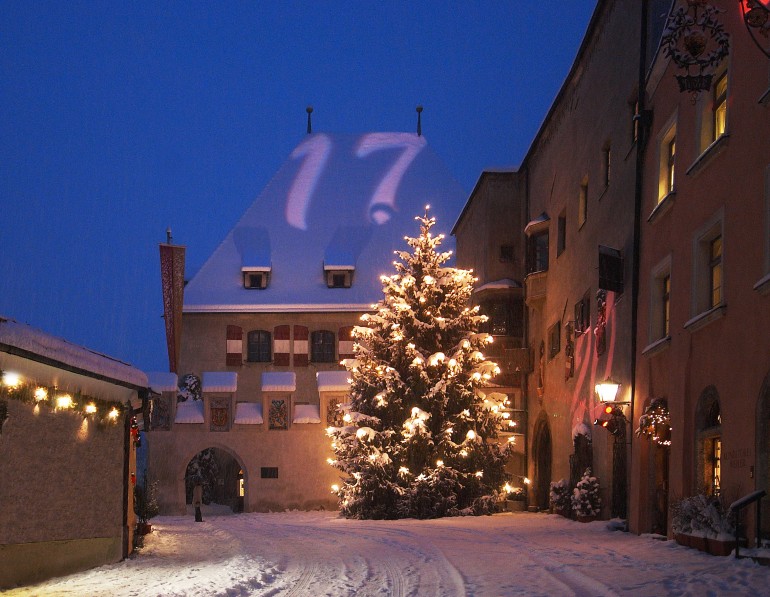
{"points": [[256, 278], [338, 276]]}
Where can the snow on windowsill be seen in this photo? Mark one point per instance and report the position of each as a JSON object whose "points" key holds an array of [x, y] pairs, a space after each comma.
{"points": [[656, 347], [219, 382], [763, 285], [248, 413], [663, 206], [307, 413], [705, 318], [190, 411], [162, 381], [708, 154]]}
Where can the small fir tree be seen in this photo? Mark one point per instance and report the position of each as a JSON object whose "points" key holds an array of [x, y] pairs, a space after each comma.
{"points": [[418, 439], [585, 496]]}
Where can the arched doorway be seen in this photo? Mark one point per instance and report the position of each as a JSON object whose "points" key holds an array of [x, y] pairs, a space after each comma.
{"points": [[221, 476], [708, 427], [541, 448]]}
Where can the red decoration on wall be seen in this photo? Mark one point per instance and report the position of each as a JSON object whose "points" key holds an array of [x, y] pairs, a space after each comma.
{"points": [[601, 322]]}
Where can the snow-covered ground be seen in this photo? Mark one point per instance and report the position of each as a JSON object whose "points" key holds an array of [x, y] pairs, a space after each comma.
{"points": [[318, 553]]}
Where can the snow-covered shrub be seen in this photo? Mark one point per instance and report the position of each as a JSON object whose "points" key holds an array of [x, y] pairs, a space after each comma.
{"points": [[561, 500], [189, 388], [703, 516], [585, 496]]}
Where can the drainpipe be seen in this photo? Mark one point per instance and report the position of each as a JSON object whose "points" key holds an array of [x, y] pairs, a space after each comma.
{"points": [[643, 118]]}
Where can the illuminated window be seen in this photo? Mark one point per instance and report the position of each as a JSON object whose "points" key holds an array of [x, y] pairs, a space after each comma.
{"points": [[720, 106], [665, 304], [666, 143], [715, 271], [259, 346], [322, 346], [709, 441], [241, 485], [670, 162], [583, 203]]}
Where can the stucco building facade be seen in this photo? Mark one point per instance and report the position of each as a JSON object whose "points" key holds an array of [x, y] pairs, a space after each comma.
{"points": [[67, 456], [267, 320], [704, 309]]}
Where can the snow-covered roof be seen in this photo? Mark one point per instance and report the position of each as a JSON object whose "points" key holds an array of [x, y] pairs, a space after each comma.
{"points": [[279, 381], [248, 413], [306, 413], [333, 381], [190, 411], [162, 381], [538, 224], [503, 284], [338, 200], [34, 341], [219, 381]]}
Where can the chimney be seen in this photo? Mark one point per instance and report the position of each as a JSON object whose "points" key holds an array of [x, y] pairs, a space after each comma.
{"points": [[419, 121], [309, 111]]}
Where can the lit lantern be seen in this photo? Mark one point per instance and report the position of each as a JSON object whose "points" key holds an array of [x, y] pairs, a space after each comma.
{"points": [[607, 390]]}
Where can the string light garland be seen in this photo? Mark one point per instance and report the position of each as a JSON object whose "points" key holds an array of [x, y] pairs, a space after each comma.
{"points": [[14, 387], [655, 423]]}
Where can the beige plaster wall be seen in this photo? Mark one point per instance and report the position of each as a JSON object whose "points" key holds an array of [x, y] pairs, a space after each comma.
{"points": [[593, 113]]}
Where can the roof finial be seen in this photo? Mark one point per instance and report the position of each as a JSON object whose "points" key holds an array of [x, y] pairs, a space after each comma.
{"points": [[309, 111], [419, 121], [168, 235]]}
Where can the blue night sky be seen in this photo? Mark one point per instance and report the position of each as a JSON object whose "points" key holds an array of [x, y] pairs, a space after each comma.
{"points": [[121, 119]]}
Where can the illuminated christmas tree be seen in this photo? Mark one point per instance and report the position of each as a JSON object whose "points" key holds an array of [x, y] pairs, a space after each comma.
{"points": [[419, 434]]}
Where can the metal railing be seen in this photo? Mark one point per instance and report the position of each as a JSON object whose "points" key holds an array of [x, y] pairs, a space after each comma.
{"points": [[755, 497]]}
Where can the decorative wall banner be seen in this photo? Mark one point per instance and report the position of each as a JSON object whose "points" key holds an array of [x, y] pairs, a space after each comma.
{"points": [[220, 414], [696, 41], [278, 415], [172, 283], [160, 415]]}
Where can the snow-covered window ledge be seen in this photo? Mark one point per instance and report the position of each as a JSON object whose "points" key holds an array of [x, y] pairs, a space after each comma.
{"points": [[663, 206], [657, 347], [306, 413], [763, 285], [708, 154], [705, 318]]}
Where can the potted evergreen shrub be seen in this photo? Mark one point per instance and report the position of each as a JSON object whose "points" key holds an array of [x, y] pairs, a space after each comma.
{"points": [[145, 505], [561, 499], [702, 522], [586, 502]]}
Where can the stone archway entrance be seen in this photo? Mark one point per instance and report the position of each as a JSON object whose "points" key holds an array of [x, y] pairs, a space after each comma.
{"points": [[542, 452], [221, 476]]}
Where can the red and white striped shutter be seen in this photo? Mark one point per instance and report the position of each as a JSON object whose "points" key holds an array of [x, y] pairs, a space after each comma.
{"points": [[346, 342], [234, 354], [301, 335], [281, 345]]}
